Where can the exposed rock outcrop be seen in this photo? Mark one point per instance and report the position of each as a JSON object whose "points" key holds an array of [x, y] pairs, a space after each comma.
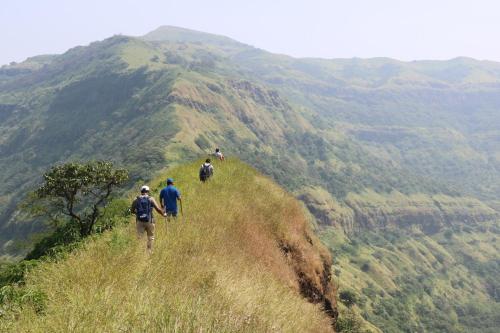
{"points": [[370, 210]]}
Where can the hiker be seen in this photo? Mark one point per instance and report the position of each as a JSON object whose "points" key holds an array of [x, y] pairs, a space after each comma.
{"points": [[206, 170], [219, 154], [168, 199], [143, 209]]}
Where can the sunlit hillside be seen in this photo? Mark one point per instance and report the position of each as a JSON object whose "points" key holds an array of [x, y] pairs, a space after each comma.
{"points": [[397, 162], [241, 258]]}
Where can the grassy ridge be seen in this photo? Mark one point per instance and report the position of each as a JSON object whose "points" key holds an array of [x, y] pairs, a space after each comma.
{"points": [[218, 268]]}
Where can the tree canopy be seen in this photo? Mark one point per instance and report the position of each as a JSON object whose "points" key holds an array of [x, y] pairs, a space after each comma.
{"points": [[79, 192]]}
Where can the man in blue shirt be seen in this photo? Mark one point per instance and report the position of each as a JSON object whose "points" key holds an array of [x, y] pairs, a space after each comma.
{"points": [[168, 198]]}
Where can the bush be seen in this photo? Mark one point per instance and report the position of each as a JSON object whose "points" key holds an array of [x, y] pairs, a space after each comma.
{"points": [[448, 234], [11, 273], [365, 267], [348, 297], [348, 323], [12, 296]]}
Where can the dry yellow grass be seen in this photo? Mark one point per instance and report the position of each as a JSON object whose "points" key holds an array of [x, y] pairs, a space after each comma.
{"points": [[218, 268]]}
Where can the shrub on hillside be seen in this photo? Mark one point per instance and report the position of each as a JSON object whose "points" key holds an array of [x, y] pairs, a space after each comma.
{"points": [[348, 298], [348, 323], [14, 272], [365, 267]]}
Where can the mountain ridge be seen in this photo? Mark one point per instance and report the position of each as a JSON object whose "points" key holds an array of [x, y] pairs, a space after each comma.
{"points": [[171, 33], [116, 54], [405, 154], [251, 268]]}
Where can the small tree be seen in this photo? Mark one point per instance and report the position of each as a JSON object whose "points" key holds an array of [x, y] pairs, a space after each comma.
{"points": [[348, 297], [79, 192]]}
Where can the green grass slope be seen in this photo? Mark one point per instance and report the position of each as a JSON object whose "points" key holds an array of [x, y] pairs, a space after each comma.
{"points": [[413, 282], [240, 259]]}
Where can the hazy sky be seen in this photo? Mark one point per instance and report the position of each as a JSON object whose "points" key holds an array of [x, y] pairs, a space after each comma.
{"points": [[402, 29]]}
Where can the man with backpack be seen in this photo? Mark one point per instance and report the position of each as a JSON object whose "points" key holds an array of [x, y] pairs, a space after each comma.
{"points": [[206, 170], [142, 207], [218, 154], [168, 198]]}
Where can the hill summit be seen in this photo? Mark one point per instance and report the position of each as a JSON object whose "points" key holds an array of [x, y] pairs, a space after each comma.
{"points": [[167, 33]]}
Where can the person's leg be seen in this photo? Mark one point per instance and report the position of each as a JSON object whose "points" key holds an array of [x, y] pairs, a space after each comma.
{"points": [[150, 229], [139, 227], [170, 215]]}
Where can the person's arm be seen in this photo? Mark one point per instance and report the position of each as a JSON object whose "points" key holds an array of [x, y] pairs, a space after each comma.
{"points": [[157, 208], [162, 193], [180, 200], [132, 208]]}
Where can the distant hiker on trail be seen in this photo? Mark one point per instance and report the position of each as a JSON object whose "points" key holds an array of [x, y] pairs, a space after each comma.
{"points": [[168, 199], [206, 170], [219, 154], [142, 207]]}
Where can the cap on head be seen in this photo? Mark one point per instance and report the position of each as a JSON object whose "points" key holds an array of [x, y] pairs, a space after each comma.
{"points": [[144, 189], [170, 181]]}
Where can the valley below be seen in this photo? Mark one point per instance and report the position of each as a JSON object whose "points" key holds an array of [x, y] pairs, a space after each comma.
{"points": [[397, 164]]}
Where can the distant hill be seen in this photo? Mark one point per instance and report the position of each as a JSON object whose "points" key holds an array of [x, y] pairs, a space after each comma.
{"points": [[371, 146], [182, 35]]}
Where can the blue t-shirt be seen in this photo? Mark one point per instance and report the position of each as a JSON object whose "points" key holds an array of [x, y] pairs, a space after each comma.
{"points": [[169, 196]]}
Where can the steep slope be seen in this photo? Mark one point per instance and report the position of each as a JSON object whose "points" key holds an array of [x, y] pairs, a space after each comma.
{"points": [[180, 93], [407, 282], [375, 148], [235, 261], [81, 105], [437, 119]]}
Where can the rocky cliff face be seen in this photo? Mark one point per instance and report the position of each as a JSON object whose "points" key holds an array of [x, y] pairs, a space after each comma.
{"points": [[292, 252], [370, 210], [311, 264]]}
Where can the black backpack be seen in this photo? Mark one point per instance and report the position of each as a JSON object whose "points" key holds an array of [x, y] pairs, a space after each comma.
{"points": [[204, 172], [143, 208]]}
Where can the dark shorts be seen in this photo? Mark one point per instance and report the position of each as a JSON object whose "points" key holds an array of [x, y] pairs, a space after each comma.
{"points": [[174, 214]]}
